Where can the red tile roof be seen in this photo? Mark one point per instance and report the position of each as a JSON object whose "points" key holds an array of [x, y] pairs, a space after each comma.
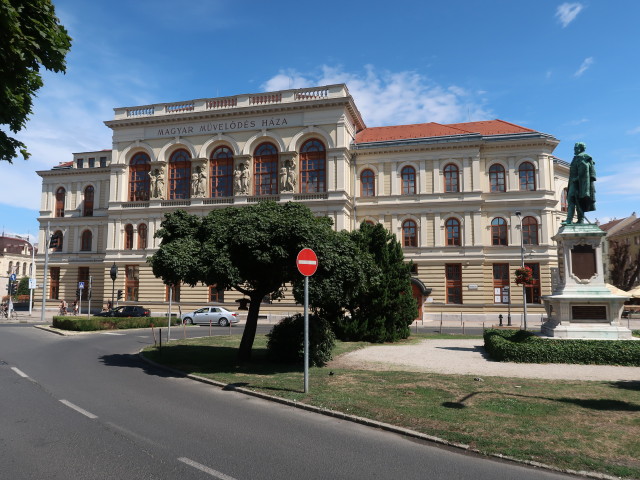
{"points": [[632, 228], [425, 130], [607, 226]]}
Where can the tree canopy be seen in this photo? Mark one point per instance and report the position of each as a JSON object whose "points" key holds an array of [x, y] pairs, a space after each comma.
{"points": [[30, 37], [624, 269], [250, 249]]}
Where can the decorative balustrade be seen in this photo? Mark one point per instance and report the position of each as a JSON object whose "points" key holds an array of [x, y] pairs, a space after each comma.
{"points": [[265, 99], [180, 107], [310, 196], [263, 198], [281, 97], [219, 103], [175, 203], [217, 201], [135, 205], [312, 94], [140, 111]]}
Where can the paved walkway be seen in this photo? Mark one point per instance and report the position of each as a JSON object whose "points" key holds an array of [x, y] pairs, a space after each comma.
{"points": [[467, 357]]}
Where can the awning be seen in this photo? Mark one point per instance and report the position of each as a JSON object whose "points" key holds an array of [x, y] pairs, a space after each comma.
{"points": [[423, 289]]}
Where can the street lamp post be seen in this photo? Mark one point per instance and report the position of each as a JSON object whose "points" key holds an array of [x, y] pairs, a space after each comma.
{"points": [[524, 286], [114, 275]]}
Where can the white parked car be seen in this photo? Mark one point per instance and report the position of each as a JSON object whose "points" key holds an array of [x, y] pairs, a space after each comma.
{"points": [[214, 315]]}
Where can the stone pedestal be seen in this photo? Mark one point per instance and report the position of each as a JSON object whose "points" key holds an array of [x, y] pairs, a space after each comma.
{"points": [[581, 305]]}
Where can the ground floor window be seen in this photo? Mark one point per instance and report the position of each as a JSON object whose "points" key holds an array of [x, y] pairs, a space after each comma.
{"points": [[500, 281], [175, 293], [216, 295], [453, 273], [132, 283], [533, 290], [54, 277], [83, 276]]}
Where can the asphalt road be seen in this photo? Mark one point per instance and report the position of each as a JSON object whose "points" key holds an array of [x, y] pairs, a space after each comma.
{"points": [[86, 407]]}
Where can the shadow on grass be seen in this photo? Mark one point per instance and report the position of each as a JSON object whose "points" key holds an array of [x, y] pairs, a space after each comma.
{"points": [[627, 384], [134, 361], [593, 404]]}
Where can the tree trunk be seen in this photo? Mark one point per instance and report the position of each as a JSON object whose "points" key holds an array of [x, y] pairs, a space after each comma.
{"points": [[249, 335]]}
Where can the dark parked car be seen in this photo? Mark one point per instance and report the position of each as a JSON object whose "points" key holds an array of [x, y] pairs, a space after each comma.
{"points": [[126, 311]]}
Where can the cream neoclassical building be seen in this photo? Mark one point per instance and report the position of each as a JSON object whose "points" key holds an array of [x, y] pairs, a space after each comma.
{"points": [[450, 193]]}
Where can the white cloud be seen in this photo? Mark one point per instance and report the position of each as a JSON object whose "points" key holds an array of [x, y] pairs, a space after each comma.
{"points": [[567, 12], [391, 98], [585, 65], [634, 131]]}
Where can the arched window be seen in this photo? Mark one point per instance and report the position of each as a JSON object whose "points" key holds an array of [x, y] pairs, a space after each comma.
{"points": [[367, 183], [221, 172], [451, 178], [408, 175], [266, 169], [179, 175], [24, 269], [85, 241], [529, 231], [313, 161], [139, 181], [409, 234], [496, 178], [128, 237], [564, 205], [10, 271], [87, 210], [527, 174], [369, 222], [58, 233], [453, 231], [142, 236], [498, 231], [60, 195]]}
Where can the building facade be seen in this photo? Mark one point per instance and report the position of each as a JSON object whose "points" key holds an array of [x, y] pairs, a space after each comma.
{"points": [[449, 193], [16, 258]]}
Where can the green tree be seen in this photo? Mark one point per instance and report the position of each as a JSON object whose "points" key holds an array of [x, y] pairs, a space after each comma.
{"points": [[250, 249], [384, 310], [624, 269], [30, 37], [23, 286]]}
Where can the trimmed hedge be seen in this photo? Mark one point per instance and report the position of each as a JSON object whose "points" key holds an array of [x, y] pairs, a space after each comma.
{"points": [[525, 347], [84, 324], [286, 340]]}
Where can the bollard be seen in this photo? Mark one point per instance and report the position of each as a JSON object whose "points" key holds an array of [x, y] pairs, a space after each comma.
{"points": [[500, 317]]}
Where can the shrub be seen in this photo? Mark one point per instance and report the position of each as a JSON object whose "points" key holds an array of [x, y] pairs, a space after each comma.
{"points": [[84, 324], [526, 347], [286, 340]]}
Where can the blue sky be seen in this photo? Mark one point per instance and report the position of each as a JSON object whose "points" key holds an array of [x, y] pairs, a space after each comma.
{"points": [[570, 69]]}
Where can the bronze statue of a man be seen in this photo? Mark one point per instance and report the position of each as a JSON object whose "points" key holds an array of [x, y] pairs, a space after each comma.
{"points": [[581, 195]]}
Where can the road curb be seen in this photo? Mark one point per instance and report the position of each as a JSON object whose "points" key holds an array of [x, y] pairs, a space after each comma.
{"points": [[372, 423]]}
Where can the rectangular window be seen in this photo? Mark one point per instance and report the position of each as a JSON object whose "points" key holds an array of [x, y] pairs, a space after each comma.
{"points": [[79, 163], [92, 162], [500, 281], [175, 293], [54, 278], [453, 273], [215, 295], [533, 290], [83, 276], [103, 162], [132, 282]]}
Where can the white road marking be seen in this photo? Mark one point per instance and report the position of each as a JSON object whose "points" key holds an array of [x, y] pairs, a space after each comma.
{"points": [[20, 372], [205, 469], [111, 333], [78, 409]]}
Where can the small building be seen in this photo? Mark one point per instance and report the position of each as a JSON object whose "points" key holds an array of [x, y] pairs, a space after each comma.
{"points": [[449, 193], [16, 257]]}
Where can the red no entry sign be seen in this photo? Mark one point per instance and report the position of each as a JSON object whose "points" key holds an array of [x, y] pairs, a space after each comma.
{"points": [[307, 262]]}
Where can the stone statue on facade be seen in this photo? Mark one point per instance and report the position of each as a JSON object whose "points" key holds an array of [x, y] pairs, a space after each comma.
{"points": [[198, 183], [581, 194], [157, 183], [242, 179], [288, 178]]}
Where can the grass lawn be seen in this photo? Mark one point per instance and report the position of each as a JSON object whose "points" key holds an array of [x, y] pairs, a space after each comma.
{"points": [[578, 425]]}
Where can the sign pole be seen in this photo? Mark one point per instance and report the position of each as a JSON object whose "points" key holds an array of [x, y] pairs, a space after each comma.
{"points": [[307, 263], [306, 334]]}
